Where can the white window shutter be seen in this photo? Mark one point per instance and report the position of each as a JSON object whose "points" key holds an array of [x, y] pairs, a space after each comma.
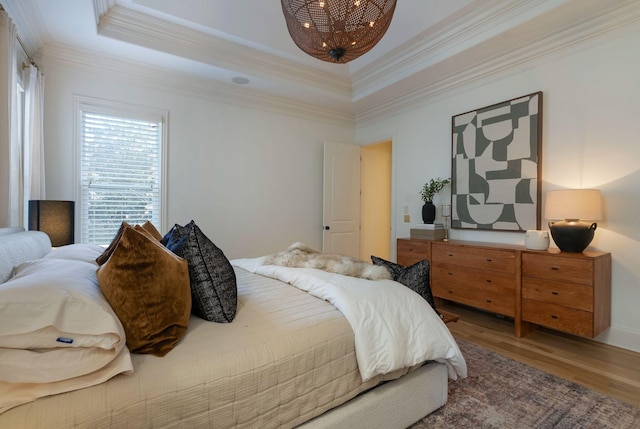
{"points": [[120, 172]]}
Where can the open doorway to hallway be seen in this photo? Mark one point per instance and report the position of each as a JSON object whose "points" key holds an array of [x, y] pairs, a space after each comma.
{"points": [[375, 209]]}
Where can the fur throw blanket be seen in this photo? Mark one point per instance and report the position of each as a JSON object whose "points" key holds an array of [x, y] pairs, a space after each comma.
{"points": [[299, 255]]}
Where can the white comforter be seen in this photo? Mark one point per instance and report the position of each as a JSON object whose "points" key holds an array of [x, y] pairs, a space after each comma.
{"points": [[57, 331], [394, 327]]}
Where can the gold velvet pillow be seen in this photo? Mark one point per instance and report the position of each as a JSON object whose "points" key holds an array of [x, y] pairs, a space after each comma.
{"points": [[145, 231], [148, 288], [109, 250], [147, 227], [151, 229]]}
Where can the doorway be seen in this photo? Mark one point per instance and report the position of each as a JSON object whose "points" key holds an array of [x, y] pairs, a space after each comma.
{"points": [[375, 200]]}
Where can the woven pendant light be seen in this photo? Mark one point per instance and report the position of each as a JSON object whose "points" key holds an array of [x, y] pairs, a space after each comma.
{"points": [[337, 30]]}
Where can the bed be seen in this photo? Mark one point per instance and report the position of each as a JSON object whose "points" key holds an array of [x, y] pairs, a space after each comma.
{"points": [[288, 359]]}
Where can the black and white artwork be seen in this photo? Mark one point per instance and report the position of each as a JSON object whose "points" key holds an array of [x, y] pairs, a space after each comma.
{"points": [[495, 177]]}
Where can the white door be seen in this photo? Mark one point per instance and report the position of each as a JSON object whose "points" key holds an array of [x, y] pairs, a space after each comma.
{"points": [[341, 217]]}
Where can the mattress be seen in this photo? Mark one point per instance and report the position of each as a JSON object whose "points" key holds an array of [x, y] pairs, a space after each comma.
{"points": [[286, 358]]}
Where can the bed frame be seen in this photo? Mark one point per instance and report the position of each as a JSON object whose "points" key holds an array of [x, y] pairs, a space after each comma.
{"points": [[393, 404]]}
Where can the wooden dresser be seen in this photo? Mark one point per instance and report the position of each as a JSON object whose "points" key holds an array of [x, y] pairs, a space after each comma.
{"points": [[411, 251], [569, 292]]}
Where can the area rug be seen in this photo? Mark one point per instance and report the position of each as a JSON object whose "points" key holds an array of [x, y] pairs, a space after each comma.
{"points": [[503, 393]]}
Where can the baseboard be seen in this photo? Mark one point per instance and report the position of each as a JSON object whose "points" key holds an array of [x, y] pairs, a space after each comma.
{"points": [[621, 337]]}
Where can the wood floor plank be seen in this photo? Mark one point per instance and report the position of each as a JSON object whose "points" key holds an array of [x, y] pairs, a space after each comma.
{"points": [[610, 370]]}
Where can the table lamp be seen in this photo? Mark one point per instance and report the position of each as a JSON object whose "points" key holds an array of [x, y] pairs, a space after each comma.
{"points": [[55, 218], [568, 210]]}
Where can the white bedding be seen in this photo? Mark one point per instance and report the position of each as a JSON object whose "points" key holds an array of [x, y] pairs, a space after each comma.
{"points": [[287, 358], [58, 332], [385, 339]]}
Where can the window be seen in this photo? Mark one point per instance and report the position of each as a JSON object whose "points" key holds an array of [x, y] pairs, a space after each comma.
{"points": [[121, 168]]}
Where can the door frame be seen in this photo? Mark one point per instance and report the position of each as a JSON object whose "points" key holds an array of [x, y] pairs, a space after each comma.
{"points": [[393, 203], [393, 196]]}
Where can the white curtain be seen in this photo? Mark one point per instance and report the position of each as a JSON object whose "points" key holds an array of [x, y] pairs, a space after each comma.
{"points": [[33, 140], [10, 151]]}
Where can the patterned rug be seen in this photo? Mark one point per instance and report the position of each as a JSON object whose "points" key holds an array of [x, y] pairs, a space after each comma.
{"points": [[503, 393]]}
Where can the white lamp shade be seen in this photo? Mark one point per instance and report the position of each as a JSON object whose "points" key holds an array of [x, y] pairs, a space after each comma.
{"points": [[585, 204]]}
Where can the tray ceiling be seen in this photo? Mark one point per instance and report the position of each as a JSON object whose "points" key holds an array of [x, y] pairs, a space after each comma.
{"points": [[429, 44]]}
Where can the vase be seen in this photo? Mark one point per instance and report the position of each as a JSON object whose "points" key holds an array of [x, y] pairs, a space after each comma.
{"points": [[428, 212]]}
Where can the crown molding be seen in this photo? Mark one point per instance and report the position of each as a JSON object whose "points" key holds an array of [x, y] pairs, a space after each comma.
{"points": [[164, 79], [29, 24], [473, 25], [138, 28], [485, 41], [563, 42], [101, 7]]}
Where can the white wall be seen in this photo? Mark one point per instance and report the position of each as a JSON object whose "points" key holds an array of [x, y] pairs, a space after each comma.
{"points": [[251, 179], [590, 139]]}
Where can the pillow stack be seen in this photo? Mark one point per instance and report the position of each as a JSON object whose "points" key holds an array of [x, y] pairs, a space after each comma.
{"points": [[154, 283], [58, 332]]}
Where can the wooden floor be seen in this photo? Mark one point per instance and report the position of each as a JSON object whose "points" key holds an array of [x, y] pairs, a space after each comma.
{"points": [[610, 370]]}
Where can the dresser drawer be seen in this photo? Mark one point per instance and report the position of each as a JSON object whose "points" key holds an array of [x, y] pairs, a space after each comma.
{"points": [[565, 294], [493, 282], [567, 269], [485, 259], [554, 316], [411, 251], [480, 298]]}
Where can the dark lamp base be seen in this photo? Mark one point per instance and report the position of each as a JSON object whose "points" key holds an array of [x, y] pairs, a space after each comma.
{"points": [[572, 235]]}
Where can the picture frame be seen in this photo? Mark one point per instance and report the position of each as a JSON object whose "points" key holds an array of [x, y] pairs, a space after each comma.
{"points": [[496, 154]]}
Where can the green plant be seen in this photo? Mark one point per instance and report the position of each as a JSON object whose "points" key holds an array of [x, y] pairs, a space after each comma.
{"points": [[432, 187]]}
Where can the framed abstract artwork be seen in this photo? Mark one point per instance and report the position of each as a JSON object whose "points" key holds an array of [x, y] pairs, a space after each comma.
{"points": [[496, 169]]}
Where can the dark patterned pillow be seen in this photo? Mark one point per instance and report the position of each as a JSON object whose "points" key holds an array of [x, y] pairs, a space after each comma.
{"points": [[173, 236], [415, 277], [214, 292]]}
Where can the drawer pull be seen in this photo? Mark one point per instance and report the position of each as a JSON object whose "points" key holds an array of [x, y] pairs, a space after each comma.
{"points": [[450, 274], [489, 260], [488, 280], [449, 254], [554, 293], [553, 316], [489, 301], [555, 268]]}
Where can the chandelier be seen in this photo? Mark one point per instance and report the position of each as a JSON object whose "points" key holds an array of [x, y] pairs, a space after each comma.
{"points": [[337, 30]]}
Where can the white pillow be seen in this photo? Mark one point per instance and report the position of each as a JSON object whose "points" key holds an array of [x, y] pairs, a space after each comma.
{"points": [[55, 323], [77, 252]]}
